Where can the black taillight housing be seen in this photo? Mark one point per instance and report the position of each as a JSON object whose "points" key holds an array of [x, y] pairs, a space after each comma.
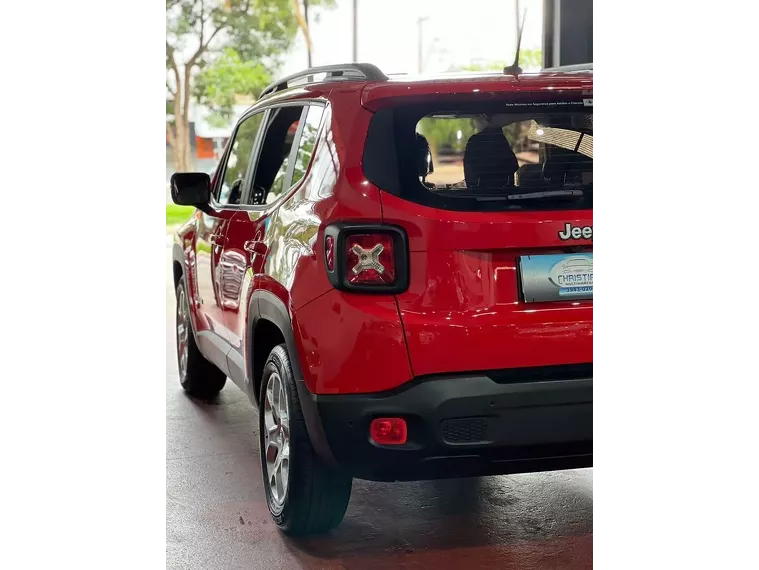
{"points": [[366, 258]]}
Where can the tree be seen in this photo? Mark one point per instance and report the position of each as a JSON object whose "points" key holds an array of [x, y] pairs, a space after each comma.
{"points": [[301, 17], [216, 49], [447, 134], [220, 84]]}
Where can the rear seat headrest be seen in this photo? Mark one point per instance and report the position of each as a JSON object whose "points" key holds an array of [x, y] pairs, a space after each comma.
{"points": [[489, 161], [424, 156]]}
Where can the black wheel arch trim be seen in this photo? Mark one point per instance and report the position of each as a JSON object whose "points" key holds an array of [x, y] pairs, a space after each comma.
{"points": [[179, 256], [264, 305]]}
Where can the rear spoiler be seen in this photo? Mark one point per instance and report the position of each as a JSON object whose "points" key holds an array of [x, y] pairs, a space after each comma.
{"points": [[462, 87]]}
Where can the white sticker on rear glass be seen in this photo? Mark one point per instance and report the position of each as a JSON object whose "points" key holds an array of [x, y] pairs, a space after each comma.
{"points": [[588, 102]]}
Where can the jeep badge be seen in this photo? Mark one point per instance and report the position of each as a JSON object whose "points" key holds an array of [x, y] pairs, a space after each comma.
{"points": [[576, 232]]}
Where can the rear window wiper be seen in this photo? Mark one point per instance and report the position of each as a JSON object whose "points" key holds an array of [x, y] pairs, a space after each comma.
{"points": [[547, 194], [544, 195]]}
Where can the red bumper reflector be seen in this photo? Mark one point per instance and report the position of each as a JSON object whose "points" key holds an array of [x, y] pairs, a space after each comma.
{"points": [[388, 431]]}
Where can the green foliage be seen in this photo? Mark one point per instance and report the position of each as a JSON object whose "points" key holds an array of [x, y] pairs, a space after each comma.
{"points": [[217, 84], [178, 214], [442, 133], [490, 66], [529, 60], [256, 29], [226, 46]]}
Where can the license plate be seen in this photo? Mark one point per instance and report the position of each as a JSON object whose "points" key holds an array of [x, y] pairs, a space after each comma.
{"points": [[559, 277]]}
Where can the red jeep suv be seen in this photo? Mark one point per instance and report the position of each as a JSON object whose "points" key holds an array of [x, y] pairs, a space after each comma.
{"points": [[399, 274]]}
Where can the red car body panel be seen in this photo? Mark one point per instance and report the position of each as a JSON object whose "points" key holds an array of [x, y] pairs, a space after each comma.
{"points": [[352, 344], [461, 311]]}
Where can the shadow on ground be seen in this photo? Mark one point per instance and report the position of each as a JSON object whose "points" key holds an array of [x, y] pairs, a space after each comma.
{"points": [[527, 518]]}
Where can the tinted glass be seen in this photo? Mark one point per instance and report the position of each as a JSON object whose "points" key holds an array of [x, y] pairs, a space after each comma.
{"points": [[239, 160]]}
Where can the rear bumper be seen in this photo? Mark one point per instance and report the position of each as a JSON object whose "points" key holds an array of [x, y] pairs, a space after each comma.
{"points": [[461, 426]]}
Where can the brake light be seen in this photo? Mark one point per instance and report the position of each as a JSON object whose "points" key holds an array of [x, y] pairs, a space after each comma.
{"points": [[370, 259], [388, 431], [366, 258]]}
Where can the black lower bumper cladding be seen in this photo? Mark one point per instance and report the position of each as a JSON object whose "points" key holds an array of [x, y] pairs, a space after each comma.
{"points": [[460, 426]]}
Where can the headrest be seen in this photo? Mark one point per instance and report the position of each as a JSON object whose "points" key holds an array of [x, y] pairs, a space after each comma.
{"points": [[489, 162], [529, 175], [563, 163], [423, 156]]}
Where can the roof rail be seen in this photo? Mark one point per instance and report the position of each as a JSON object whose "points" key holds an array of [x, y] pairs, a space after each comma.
{"points": [[577, 67], [365, 71]]}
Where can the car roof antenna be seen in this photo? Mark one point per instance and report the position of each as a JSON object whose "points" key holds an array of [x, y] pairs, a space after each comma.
{"points": [[514, 68]]}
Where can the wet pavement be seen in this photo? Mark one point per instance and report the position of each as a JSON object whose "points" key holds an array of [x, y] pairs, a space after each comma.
{"points": [[216, 517]]}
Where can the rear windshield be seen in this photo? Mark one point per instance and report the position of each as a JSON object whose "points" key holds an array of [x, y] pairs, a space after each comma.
{"points": [[507, 156]]}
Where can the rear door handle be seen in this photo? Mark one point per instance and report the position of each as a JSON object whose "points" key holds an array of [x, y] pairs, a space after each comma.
{"points": [[255, 247]]}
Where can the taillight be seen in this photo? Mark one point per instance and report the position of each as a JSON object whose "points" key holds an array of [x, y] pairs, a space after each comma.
{"points": [[370, 259], [366, 258]]}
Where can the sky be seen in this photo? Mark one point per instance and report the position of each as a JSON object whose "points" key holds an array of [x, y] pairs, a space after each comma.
{"points": [[455, 32]]}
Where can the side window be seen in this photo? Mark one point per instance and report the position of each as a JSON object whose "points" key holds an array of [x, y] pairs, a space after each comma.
{"points": [[272, 171], [238, 161], [307, 142]]}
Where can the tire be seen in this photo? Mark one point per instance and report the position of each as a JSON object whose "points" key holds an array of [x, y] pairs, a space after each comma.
{"points": [[199, 378], [308, 497]]}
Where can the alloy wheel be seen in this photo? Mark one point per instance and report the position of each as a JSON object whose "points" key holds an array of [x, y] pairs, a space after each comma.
{"points": [[276, 447]]}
